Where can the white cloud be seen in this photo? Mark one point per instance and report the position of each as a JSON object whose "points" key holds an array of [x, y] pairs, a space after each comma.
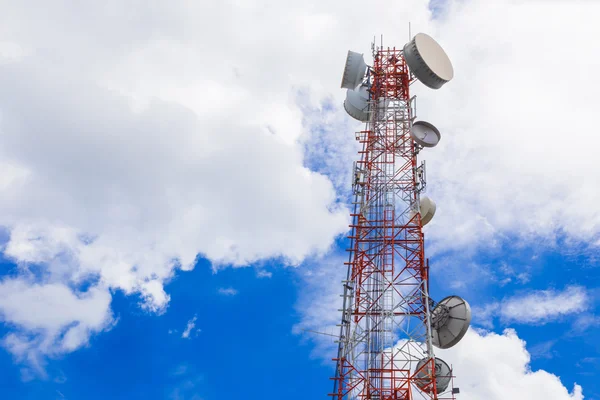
{"points": [[502, 169], [50, 319], [536, 307], [126, 154], [544, 305], [492, 366], [120, 164], [228, 291], [191, 324]]}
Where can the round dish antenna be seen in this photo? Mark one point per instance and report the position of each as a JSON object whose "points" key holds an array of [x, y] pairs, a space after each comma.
{"points": [[443, 374], [428, 61], [357, 103], [450, 321], [425, 134], [427, 207], [354, 72], [427, 210]]}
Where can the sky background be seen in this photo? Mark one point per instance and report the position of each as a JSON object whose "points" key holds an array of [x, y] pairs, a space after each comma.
{"points": [[174, 180]]}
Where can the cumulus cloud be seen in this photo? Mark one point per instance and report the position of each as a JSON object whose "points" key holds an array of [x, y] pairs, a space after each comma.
{"points": [[500, 170], [50, 319], [493, 366], [536, 307], [121, 163]]}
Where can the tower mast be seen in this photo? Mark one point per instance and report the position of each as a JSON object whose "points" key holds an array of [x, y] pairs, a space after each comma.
{"points": [[388, 327]]}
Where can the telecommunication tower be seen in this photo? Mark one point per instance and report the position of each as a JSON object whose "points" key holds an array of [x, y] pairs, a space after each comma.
{"points": [[390, 325]]}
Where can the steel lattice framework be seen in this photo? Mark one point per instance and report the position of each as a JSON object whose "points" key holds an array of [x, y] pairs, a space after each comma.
{"points": [[385, 328]]}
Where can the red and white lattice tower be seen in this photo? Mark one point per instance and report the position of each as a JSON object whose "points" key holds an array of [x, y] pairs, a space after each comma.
{"points": [[389, 328]]}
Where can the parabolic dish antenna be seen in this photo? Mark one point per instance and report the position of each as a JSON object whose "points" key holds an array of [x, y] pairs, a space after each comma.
{"points": [[354, 71], [443, 374], [425, 134], [427, 210], [357, 103], [450, 321], [428, 61]]}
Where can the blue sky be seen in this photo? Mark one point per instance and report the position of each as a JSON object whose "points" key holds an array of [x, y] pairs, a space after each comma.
{"points": [[173, 195], [247, 338]]}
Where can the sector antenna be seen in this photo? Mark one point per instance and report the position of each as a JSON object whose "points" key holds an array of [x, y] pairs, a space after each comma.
{"points": [[390, 325]]}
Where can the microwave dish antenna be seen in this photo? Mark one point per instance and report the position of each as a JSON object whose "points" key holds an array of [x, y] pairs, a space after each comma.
{"points": [[354, 71], [427, 207], [425, 134], [357, 103], [443, 375], [428, 61], [427, 210], [450, 320]]}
